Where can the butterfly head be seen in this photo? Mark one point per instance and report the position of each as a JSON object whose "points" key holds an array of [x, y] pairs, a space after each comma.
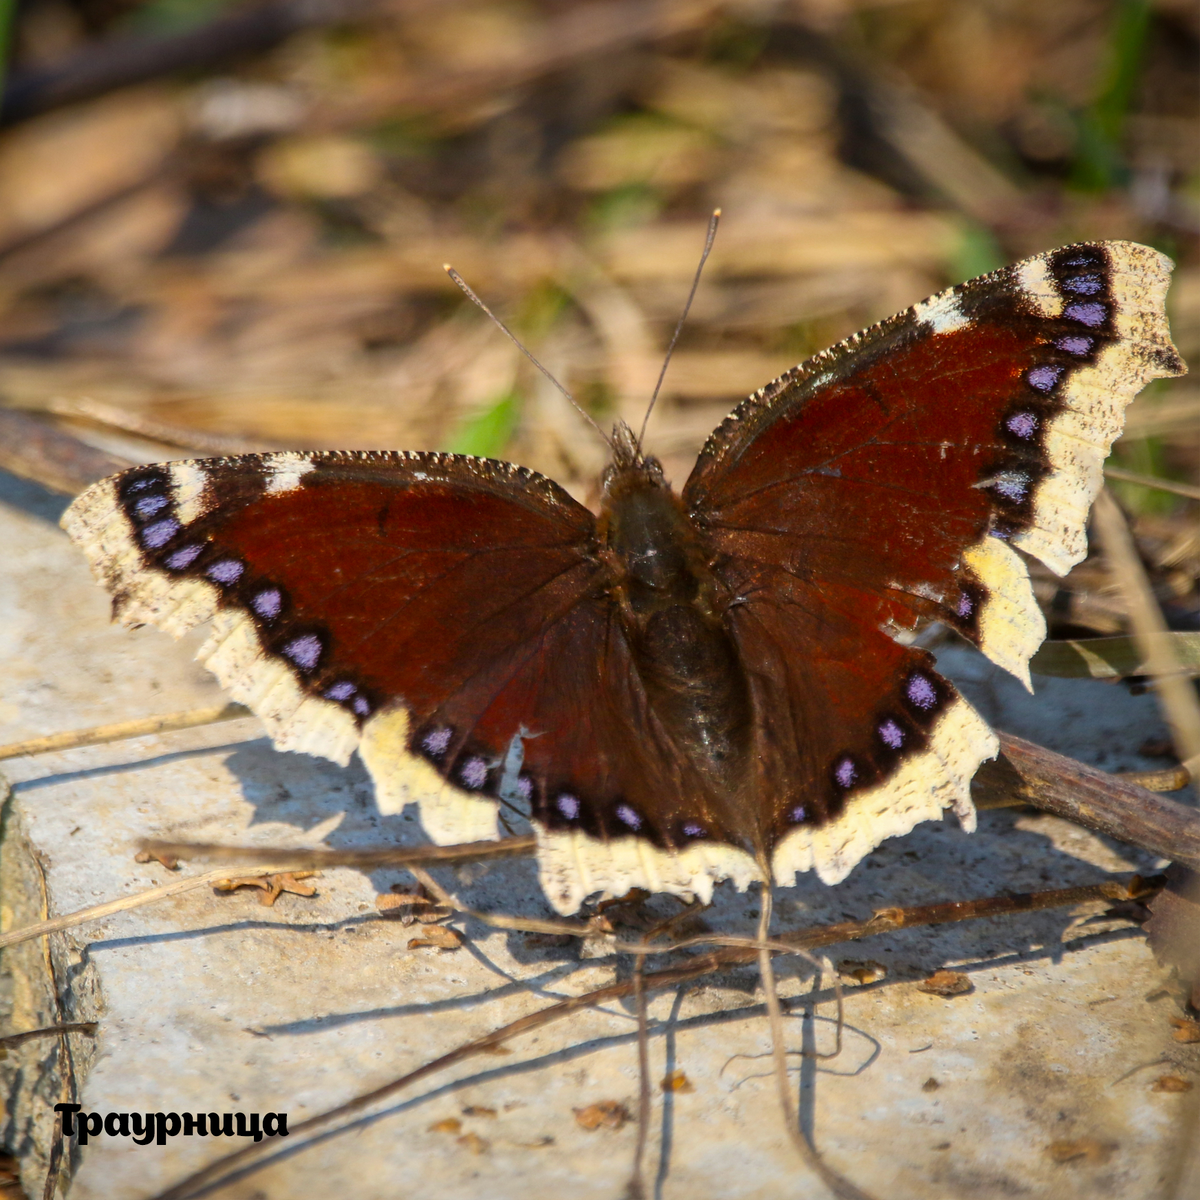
{"points": [[628, 462]]}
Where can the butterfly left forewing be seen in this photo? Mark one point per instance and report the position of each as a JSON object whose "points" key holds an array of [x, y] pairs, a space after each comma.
{"points": [[885, 482], [352, 597]]}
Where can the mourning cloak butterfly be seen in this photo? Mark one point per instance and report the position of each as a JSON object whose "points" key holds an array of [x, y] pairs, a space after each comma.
{"points": [[687, 687]]}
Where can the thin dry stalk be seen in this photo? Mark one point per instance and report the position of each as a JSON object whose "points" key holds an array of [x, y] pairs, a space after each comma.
{"points": [[1153, 481], [118, 731], [1176, 694]]}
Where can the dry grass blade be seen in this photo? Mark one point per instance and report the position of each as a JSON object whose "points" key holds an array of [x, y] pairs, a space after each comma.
{"points": [[1114, 657], [1177, 696], [119, 731], [1154, 481], [124, 904]]}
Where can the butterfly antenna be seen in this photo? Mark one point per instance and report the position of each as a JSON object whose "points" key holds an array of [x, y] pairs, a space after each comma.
{"points": [[708, 245], [516, 341]]}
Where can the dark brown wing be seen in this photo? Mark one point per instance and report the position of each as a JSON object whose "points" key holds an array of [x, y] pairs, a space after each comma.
{"points": [[445, 615], [885, 482]]}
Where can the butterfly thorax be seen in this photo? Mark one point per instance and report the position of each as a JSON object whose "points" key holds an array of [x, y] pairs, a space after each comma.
{"points": [[672, 610]]}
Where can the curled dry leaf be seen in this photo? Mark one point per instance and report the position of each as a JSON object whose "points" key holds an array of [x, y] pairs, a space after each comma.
{"points": [[862, 970], [946, 983], [410, 905], [1079, 1149], [677, 1081], [1187, 1030], [440, 937], [272, 886], [604, 1114], [167, 860], [1171, 1083]]}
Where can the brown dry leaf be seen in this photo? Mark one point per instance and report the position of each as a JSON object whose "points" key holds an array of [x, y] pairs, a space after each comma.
{"points": [[862, 970], [272, 886], [1072, 1150], [409, 905], [167, 860], [447, 1125], [1171, 1083], [946, 983], [677, 1081], [474, 1143], [604, 1114], [440, 937], [1187, 1030]]}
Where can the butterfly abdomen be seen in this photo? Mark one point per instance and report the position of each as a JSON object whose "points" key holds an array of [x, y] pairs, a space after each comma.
{"points": [[670, 607]]}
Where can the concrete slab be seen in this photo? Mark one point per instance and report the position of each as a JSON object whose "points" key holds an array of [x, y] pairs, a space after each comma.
{"points": [[213, 1003]]}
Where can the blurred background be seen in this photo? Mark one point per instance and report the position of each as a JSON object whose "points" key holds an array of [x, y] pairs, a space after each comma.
{"points": [[222, 225]]}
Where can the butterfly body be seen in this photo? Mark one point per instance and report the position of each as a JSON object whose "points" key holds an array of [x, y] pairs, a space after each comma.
{"points": [[715, 684]]}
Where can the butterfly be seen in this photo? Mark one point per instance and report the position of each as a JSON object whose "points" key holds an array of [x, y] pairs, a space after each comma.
{"points": [[685, 687]]}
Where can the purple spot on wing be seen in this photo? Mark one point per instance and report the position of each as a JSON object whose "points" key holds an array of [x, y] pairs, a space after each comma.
{"points": [[268, 602], [1044, 378], [436, 741], [892, 734], [226, 570], [1023, 424], [965, 606], [568, 805], [1076, 345], [342, 690], [147, 506], [474, 772], [845, 772], [361, 706], [691, 829], [1012, 486], [1087, 314], [304, 651], [1084, 285], [141, 485], [921, 691], [626, 814], [160, 533], [183, 558], [797, 814]]}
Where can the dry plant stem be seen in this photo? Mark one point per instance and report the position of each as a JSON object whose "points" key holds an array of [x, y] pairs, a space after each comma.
{"points": [[841, 1187], [1094, 799], [1178, 697], [636, 1189], [320, 858], [15, 1039], [695, 968], [1153, 481], [36, 450], [150, 896], [118, 731]]}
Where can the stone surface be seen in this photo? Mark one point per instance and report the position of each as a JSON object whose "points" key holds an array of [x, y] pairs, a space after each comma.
{"points": [[215, 1003]]}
